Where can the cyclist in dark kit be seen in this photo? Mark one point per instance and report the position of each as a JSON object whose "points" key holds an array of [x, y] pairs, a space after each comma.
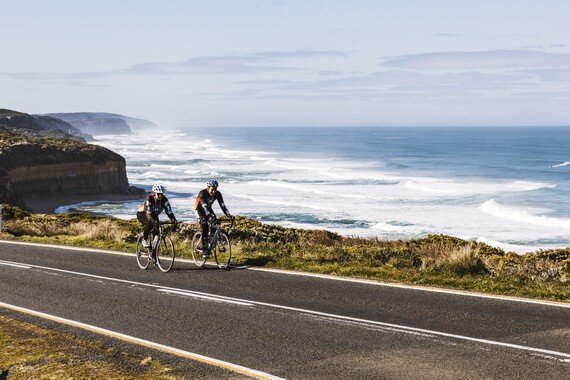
{"points": [[148, 212], [203, 210]]}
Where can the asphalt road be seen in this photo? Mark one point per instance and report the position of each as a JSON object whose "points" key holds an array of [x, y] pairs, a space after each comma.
{"points": [[294, 326]]}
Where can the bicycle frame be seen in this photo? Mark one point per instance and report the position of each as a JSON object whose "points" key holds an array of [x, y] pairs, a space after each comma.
{"points": [[215, 230], [214, 235], [158, 231]]}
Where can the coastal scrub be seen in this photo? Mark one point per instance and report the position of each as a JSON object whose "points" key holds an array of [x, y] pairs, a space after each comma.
{"points": [[435, 260]]}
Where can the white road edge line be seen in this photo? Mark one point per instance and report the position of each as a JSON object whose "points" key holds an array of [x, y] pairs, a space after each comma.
{"points": [[425, 289], [564, 355], [146, 343], [2, 262], [323, 276]]}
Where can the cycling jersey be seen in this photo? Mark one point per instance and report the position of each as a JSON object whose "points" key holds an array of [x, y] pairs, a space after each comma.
{"points": [[148, 212], [153, 207], [204, 201]]}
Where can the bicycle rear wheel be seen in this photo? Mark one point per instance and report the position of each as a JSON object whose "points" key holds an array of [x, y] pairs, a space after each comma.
{"points": [[199, 260], [223, 251], [165, 254], [141, 254]]}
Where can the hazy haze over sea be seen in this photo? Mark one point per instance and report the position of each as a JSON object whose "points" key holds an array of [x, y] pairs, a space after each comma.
{"points": [[509, 187]]}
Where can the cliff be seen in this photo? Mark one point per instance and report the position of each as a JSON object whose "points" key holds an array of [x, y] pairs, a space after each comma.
{"points": [[95, 123], [37, 125], [50, 166], [99, 123]]}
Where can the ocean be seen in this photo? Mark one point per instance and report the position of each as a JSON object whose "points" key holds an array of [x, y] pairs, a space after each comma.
{"points": [[508, 187]]}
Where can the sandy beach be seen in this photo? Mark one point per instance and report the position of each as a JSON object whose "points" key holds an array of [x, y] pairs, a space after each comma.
{"points": [[46, 204]]}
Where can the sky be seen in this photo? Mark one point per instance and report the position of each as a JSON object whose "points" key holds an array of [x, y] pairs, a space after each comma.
{"points": [[271, 63]]}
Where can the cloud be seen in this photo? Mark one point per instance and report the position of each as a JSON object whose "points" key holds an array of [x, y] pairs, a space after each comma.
{"points": [[446, 35], [395, 83], [303, 53], [265, 81], [552, 75], [200, 66], [55, 76], [229, 64], [330, 73], [244, 63], [479, 60]]}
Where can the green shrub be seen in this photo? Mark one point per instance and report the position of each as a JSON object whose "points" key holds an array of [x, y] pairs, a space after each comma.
{"points": [[10, 212]]}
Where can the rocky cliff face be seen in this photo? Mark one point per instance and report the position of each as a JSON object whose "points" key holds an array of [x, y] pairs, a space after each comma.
{"points": [[95, 123], [32, 165], [99, 123], [36, 125]]}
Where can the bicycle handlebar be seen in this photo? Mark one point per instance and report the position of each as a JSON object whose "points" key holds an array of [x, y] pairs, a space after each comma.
{"points": [[212, 220]]}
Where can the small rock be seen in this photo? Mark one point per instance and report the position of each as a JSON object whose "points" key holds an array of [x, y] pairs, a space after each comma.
{"points": [[146, 361]]}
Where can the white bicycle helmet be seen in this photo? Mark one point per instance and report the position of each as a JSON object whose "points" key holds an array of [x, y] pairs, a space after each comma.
{"points": [[213, 183], [158, 189]]}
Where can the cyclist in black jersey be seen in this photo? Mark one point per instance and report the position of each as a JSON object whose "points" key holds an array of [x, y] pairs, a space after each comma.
{"points": [[203, 210], [148, 212]]}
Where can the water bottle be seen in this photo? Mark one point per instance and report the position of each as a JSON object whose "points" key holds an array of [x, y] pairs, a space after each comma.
{"points": [[155, 242]]}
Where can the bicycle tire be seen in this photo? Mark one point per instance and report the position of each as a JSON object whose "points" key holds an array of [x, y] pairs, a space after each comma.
{"points": [[141, 254], [165, 254], [196, 247], [223, 251]]}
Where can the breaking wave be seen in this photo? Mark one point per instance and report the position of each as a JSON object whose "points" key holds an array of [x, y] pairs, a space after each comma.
{"points": [[523, 216]]}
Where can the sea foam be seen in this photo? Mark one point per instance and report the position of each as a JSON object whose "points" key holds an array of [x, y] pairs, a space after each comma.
{"points": [[523, 216], [560, 165]]}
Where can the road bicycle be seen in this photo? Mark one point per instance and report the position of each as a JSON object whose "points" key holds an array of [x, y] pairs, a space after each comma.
{"points": [[160, 251], [218, 245]]}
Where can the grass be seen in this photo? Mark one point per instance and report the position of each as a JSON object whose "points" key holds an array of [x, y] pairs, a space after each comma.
{"points": [[435, 260], [28, 351]]}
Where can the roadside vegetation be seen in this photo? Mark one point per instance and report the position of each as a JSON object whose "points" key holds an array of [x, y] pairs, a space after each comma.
{"points": [[435, 260], [28, 351]]}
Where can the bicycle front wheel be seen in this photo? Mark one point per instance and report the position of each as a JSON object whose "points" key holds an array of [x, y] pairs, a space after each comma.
{"points": [[223, 251], [199, 260], [165, 254], [141, 254]]}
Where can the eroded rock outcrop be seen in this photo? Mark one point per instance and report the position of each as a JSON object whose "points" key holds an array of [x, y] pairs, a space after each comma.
{"points": [[33, 165]]}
